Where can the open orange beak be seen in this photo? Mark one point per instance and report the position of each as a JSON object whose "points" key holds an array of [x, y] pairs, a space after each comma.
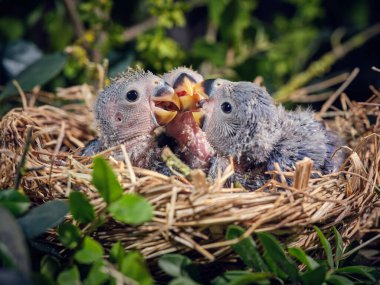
{"points": [[166, 105], [190, 94]]}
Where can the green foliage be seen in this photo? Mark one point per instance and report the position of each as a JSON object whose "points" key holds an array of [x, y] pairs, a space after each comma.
{"points": [[38, 73], [105, 180], [14, 201], [41, 218], [80, 208], [274, 265], [90, 252], [131, 209]]}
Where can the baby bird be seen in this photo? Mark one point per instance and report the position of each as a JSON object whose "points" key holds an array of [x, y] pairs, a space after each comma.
{"points": [[192, 145], [241, 121], [128, 111]]}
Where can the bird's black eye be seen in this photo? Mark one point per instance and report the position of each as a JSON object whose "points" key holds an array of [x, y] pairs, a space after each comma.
{"points": [[132, 96], [226, 107]]}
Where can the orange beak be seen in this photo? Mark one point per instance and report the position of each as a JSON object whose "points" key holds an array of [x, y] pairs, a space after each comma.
{"points": [[166, 105]]}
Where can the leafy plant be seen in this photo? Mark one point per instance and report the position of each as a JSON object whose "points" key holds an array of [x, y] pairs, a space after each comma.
{"points": [[270, 263]]}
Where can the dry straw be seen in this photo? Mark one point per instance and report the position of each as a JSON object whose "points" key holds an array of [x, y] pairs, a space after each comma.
{"points": [[192, 217]]}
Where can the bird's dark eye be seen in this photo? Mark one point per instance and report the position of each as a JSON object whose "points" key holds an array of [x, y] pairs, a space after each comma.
{"points": [[226, 107], [132, 96]]}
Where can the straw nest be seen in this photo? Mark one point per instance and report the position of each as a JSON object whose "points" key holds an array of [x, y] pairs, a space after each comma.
{"points": [[191, 217]]}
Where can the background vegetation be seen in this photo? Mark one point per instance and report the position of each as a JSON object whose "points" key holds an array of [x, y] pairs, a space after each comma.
{"points": [[290, 43], [287, 42]]}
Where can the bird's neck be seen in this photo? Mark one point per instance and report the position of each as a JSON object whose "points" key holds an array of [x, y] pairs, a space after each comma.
{"points": [[259, 143]]}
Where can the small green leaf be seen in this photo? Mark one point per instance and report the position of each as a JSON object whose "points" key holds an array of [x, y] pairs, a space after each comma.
{"points": [[237, 277], [246, 249], [303, 257], [177, 265], [274, 249], [326, 246], [49, 267], [339, 247], [69, 277], [105, 180], [117, 253], [16, 202], [132, 209], [80, 208], [38, 73], [339, 280], [96, 276], [315, 276], [357, 270], [43, 217], [133, 266], [69, 235], [91, 251]]}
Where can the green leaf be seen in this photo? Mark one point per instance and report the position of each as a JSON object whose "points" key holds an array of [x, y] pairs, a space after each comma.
{"points": [[49, 267], [133, 266], [38, 73], [16, 202], [339, 280], [80, 208], [276, 252], [117, 253], [43, 217], [69, 277], [326, 246], [238, 277], [315, 276], [183, 281], [246, 249], [69, 235], [91, 251], [357, 270], [13, 249], [339, 247], [96, 276], [177, 265], [132, 209], [303, 257], [105, 180]]}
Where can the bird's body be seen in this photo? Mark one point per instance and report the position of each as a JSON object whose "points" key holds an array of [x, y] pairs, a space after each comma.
{"points": [[243, 122]]}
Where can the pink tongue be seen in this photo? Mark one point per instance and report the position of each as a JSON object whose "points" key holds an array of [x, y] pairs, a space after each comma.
{"points": [[195, 149]]}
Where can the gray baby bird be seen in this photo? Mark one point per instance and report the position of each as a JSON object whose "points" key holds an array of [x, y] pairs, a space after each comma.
{"points": [[241, 121], [128, 111]]}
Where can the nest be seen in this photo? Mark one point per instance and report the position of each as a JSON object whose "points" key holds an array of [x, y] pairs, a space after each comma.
{"points": [[191, 217]]}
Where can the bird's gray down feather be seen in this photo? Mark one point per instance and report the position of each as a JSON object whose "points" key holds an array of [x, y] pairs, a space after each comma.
{"points": [[258, 133]]}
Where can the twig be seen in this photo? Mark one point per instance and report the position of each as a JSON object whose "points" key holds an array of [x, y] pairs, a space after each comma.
{"points": [[22, 94], [347, 254], [21, 166], [133, 32], [321, 65], [75, 18], [336, 94], [56, 149]]}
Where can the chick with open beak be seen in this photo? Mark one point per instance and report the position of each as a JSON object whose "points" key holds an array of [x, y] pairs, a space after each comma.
{"points": [[193, 147], [128, 111]]}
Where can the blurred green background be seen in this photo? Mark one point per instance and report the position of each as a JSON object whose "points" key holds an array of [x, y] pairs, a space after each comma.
{"points": [[290, 43]]}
